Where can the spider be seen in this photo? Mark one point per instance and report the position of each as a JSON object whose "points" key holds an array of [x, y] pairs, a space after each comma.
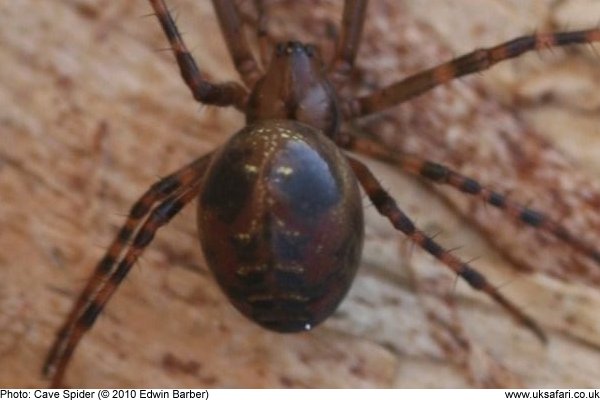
{"points": [[279, 206]]}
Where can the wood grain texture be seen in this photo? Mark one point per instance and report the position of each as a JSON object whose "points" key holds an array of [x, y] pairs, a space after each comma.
{"points": [[91, 114]]}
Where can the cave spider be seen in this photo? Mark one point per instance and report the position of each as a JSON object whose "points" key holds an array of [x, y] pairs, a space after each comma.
{"points": [[280, 216]]}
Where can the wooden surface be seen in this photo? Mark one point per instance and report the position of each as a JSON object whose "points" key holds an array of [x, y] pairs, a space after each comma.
{"points": [[91, 114]]}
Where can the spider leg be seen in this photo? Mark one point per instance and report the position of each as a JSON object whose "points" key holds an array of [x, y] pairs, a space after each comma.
{"points": [[262, 31], [223, 94], [347, 46], [260, 24], [441, 174], [173, 192], [475, 61], [386, 205], [239, 50]]}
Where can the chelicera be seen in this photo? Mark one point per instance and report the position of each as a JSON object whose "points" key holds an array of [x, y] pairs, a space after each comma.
{"points": [[279, 206]]}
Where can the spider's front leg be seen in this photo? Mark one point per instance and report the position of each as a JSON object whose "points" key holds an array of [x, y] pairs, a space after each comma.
{"points": [[231, 27], [352, 25], [387, 207], [223, 94], [154, 209]]}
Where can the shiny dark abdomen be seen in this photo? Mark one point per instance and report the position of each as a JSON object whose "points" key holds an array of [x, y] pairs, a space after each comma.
{"points": [[281, 224]]}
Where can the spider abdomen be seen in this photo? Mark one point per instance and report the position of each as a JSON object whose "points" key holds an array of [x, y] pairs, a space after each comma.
{"points": [[281, 224]]}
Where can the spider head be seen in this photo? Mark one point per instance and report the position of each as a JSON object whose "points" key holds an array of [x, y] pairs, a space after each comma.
{"points": [[295, 87]]}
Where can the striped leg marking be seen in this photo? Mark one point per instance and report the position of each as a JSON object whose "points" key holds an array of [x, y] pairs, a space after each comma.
{"points": [[154, 209], [224, 94], [475, 61], [387, 207], [441, 174]]}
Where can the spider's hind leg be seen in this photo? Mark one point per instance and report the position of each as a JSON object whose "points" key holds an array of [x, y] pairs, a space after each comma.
{"points": [[387, 207], [443, 175], [154, 209]]}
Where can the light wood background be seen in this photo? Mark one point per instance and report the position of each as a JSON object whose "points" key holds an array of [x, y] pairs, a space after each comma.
{"points": [[91, 114]]}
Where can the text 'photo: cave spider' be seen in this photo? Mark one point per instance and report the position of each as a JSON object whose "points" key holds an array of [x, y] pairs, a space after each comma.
{"points": [[280, 211]]}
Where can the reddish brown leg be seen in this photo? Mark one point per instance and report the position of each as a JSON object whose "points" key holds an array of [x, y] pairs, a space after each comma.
{"points": [[476, 61], [441, 174], [387, 207], [259, 23], [347, 46], [262, 32], [223, 94], [239, 50], [173, 192]]}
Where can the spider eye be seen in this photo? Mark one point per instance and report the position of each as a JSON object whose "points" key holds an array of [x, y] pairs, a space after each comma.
{"points": [[294, 47], [310, 50], [280, 49]]}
